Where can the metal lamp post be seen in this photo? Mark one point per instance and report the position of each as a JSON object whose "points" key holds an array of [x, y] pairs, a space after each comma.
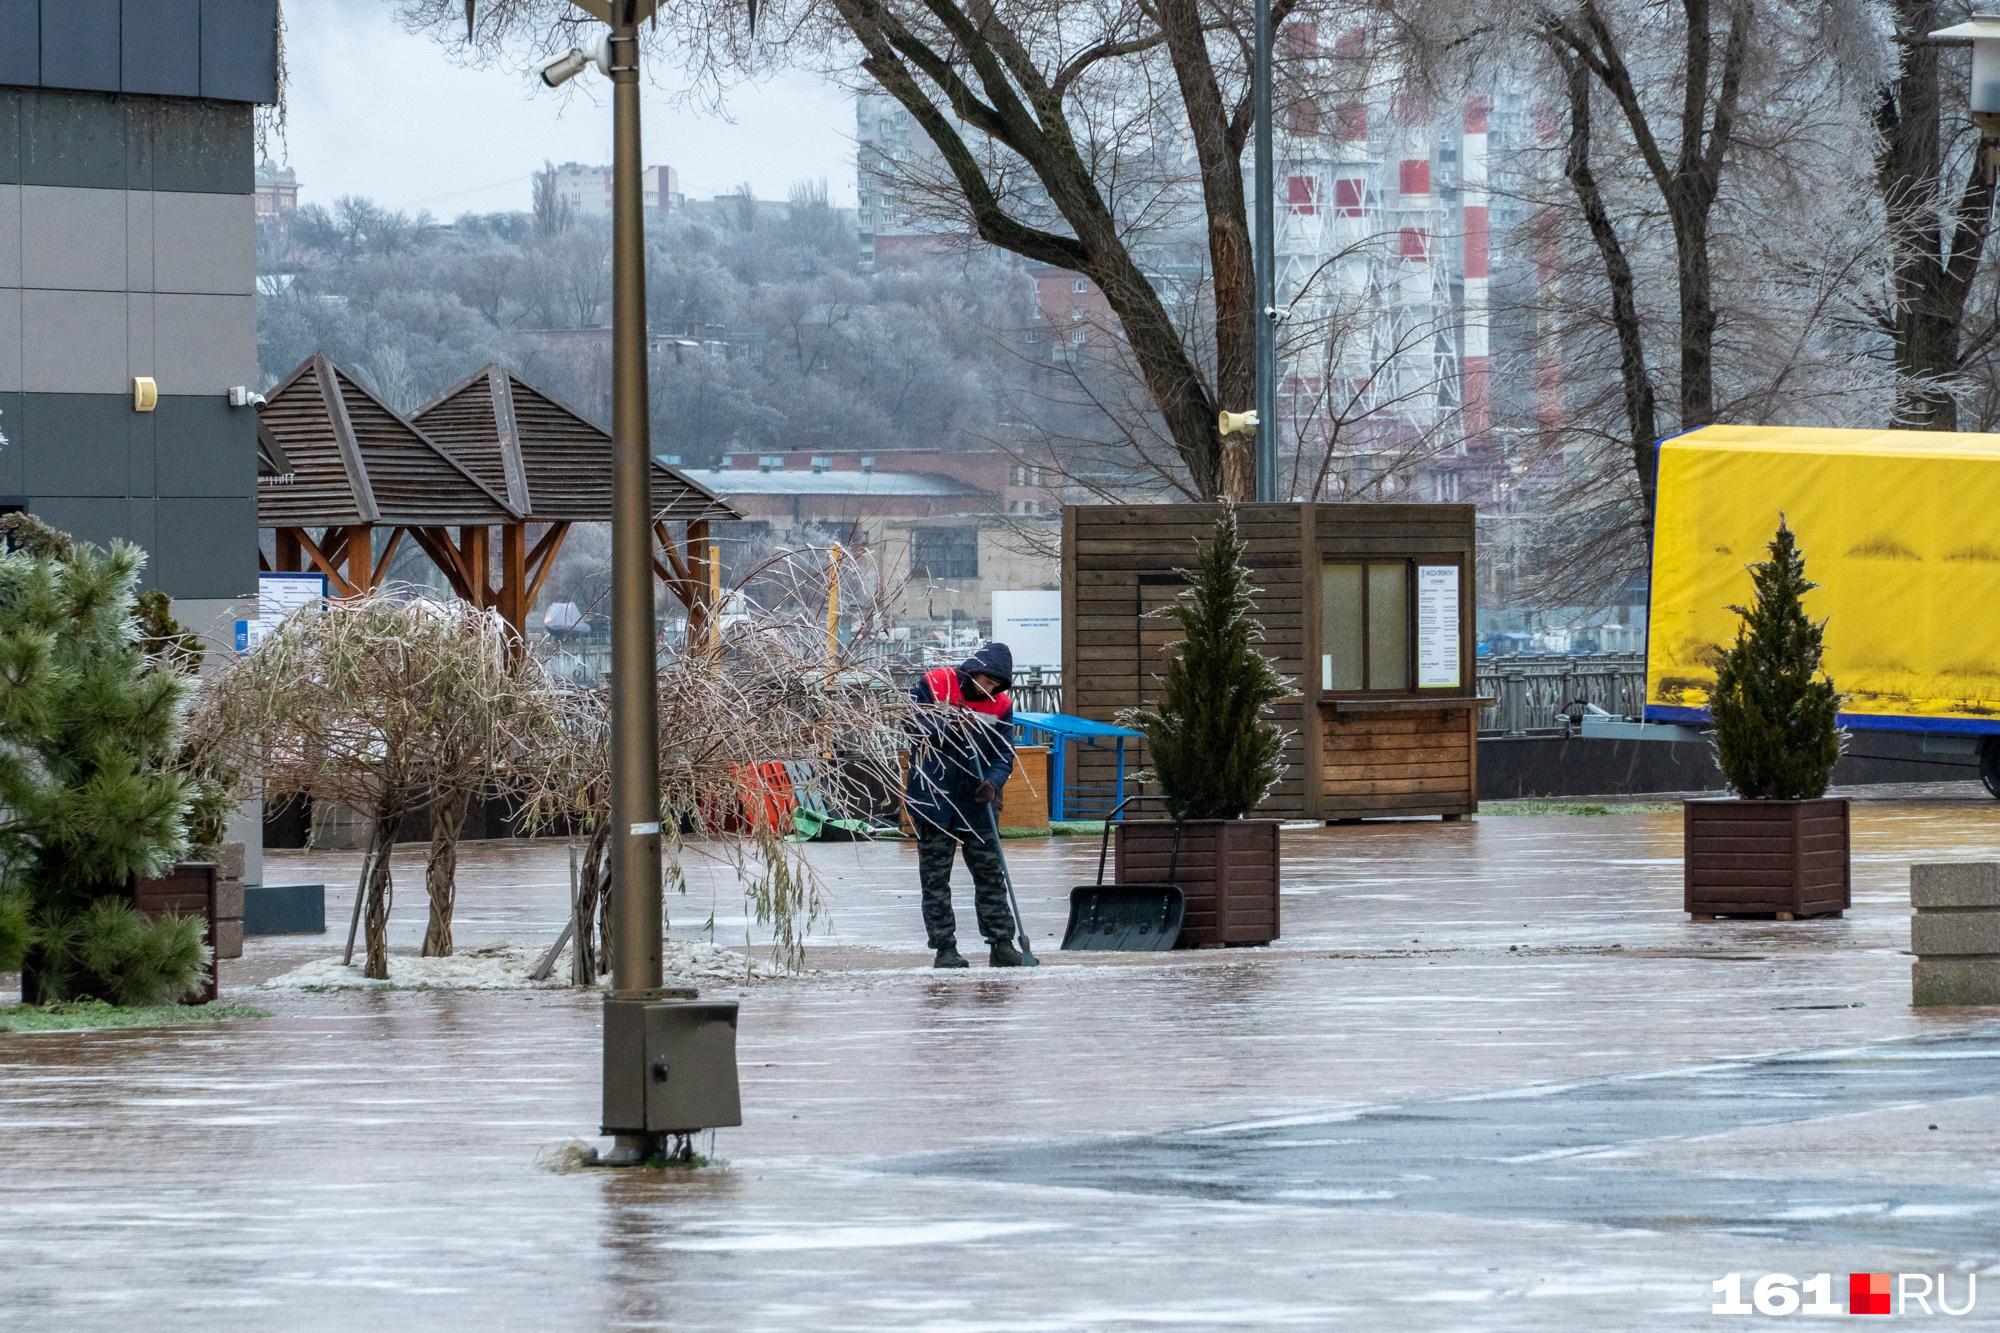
{"points": [[669, 1059], [1264, 263]]}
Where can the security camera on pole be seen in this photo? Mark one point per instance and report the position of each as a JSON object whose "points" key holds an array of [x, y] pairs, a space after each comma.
{"points": [[669, 1059]]}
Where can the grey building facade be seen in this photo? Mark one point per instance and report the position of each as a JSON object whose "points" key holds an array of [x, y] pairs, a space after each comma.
{"points": [[128, 250]]}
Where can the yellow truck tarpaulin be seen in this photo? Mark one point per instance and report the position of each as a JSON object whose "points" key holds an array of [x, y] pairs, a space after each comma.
{"points": [[1901, 530]]}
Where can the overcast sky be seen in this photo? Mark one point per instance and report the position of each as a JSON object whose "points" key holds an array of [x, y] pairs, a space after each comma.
{"points": [[378, 112]]}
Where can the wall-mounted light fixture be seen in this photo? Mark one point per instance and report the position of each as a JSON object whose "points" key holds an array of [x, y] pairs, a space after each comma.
{"points": [[145, 393]]}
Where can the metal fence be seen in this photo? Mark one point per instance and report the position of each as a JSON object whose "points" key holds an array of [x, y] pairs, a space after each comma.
{"points": [[1531, 693]]}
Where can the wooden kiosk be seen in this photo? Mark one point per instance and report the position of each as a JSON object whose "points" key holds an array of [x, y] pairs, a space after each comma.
{"points": [[1369, 607]]}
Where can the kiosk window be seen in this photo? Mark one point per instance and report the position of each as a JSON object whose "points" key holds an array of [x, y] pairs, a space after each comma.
{"points": [[1365, 626]]}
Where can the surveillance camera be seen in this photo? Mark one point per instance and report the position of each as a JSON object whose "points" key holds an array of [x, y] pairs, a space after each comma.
{"points": [[240, 396], [558, 70]]}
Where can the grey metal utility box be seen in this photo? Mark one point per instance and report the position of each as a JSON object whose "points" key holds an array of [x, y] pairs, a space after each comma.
{"points": [[670, 1066]]}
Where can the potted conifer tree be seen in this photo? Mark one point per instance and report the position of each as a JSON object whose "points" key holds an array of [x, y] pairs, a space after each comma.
{"points": [[1778, 846], [89, 806], [1214, 754]]}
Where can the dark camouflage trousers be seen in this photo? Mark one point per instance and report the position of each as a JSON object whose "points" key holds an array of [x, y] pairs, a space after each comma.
{"points": [[935, 848]]}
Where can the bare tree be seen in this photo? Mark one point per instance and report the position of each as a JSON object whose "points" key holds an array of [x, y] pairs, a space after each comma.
{"points": [[1064, 133], [769, 688], [394, 705], [1936, 175], [553, 215]]}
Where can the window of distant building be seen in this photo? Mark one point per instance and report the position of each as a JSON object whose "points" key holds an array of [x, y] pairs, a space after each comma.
{"points": [[1079, 286], [1079, 336], [867, 462], [770, 462], [1075, 315], [944, 553], [1349, 195], [822, 463]]}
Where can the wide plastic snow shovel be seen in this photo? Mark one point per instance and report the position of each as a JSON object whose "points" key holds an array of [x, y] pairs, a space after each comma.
{"points": [[1028, 958], [1126, 918]]}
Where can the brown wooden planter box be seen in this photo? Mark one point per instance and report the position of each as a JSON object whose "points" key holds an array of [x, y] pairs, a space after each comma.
{"points": [[189, 889], [1227, 870], [1784, 859]]}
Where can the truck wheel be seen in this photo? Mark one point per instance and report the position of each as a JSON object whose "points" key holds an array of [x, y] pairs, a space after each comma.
{"points": [[1989, 765]]}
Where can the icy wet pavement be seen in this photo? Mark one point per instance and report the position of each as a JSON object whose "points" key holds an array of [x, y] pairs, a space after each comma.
{"points": [[932, 1151]]}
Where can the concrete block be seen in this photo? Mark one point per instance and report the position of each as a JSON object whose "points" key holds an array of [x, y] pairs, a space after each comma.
{"points": [[1955, 981], [80, 45], [228, 937], [239, 50], [205, 448], [139, 240], [285, 909], [205, 548], [206, 147], [139, 317], [1955, 931], [75, 342], [228, 897], [10, 236], [73, 238], [76, 444], [10, 340], [204, 243], [203, 344], [162, 48], [229, 860], [73, 139], [1955, 884], [21, 44]]}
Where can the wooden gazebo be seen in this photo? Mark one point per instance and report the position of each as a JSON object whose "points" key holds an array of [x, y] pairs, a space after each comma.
{"points": [[554, 469], [335, 464], [343, 464]]}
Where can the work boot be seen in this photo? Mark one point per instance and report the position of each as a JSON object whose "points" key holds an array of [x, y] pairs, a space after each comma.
{"points": [[1004, 954], [949, 957]]}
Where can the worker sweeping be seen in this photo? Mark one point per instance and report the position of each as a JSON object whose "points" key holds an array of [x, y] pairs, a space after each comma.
{"points": [[963, 755]]}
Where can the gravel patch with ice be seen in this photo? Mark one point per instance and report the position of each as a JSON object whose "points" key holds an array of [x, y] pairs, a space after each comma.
{"points": [[506, 967]]}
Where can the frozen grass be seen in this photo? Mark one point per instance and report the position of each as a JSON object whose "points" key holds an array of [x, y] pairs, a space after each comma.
{"points": [[1577, 808], [88, 1015]]}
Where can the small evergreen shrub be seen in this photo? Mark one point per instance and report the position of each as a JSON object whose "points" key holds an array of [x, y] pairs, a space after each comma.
{"points": [[1777, 729], [89, 727], [15, 936], [133, 959], [1215, 751]]}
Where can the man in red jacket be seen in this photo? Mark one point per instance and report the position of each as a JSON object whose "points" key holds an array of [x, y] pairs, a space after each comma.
{"points": [[962, 758]]}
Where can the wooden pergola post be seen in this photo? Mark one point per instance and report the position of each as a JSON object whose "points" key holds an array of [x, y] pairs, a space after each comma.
{"points": [[514, 575], [700, 613]]}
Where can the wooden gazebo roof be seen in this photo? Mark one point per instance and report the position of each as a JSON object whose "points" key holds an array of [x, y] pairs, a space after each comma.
{"points": [[354, 462], [549, 462]]}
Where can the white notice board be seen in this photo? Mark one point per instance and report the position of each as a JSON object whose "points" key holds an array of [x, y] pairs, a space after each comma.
{"points": [[278, 595], [1437, 627], [1030, 623]]}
